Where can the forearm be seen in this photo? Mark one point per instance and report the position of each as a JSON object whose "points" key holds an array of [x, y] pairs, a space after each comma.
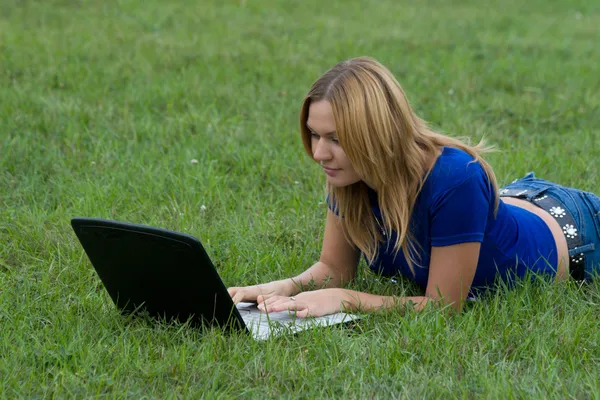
{"points": [[322, 276], [365, 302]]}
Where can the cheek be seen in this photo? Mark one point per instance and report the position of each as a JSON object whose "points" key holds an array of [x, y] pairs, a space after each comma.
{"points": [[313, 145], [344, 162], [342, 158]]}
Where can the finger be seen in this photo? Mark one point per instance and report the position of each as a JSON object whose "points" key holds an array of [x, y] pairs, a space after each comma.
{"points": [[261, 298], [236, 294], [302, 313], [237, 298], [299, 309], [268, 301], [262, 301], [283, 304], [244, 294]]}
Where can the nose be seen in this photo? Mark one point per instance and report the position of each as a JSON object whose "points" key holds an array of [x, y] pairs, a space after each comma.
{"points": [[321, 150]]}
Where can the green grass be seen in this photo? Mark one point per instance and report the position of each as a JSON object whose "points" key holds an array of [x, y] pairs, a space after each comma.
{"points": [[103, 105]]}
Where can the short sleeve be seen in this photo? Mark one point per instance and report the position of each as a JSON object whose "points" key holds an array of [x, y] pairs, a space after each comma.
{"points": [[460, 214]]}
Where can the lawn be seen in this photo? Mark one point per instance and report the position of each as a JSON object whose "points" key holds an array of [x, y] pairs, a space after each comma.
{"points": [[104, 105]]}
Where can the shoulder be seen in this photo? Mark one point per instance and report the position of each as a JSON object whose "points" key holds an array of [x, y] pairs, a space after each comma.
{"points": [[457, 177], [453, 168]]}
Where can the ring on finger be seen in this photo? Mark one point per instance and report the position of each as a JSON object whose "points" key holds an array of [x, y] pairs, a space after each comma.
{"points": [[292, 298]]}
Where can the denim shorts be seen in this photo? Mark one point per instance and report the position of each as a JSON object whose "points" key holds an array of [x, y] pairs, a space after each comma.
{"points": [[576, 211]]}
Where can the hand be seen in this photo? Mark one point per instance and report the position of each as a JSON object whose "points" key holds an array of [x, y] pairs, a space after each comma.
{"points": [[315, 303], [285, 287]]}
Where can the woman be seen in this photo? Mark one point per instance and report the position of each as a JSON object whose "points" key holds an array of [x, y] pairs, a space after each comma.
{"points": [[422, 205]]}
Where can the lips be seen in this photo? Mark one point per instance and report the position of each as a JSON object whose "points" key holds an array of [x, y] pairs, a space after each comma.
{"points": [[330, 171]]}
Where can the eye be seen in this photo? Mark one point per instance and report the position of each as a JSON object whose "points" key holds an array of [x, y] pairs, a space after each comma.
{"points": [[314, 135], [336, 141]]}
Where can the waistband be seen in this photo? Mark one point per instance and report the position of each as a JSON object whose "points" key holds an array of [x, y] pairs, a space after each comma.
{"points": [[566, 221]]}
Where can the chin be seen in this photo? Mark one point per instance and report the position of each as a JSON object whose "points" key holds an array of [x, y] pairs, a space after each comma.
{"points": [[339, 182]]}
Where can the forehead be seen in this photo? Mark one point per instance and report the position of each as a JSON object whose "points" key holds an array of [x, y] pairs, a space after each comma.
{"points": [[320, 116]]}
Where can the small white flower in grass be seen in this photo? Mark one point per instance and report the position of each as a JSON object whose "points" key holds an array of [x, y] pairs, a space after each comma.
{"points": [[451, 92], [202, 207], [578, 15], [194, 161], [570, 231], [558, 212], [93, 163], [296, 182]]}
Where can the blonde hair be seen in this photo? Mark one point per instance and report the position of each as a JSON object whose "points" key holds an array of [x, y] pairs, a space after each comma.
{"points": [[387, 144]]}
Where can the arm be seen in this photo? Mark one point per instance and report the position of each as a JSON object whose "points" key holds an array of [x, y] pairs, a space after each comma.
{"points": [[451, 273], [336, 267], [458, 220], [338, 262]]}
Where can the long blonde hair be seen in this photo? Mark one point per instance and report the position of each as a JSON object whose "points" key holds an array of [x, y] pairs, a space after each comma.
{"points": [[387, 144]]}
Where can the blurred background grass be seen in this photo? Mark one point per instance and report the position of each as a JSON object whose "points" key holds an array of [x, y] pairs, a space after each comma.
{"points": [[103, 106]]}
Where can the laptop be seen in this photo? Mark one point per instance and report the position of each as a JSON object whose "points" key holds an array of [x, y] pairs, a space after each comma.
{"points": [[168, 275]]}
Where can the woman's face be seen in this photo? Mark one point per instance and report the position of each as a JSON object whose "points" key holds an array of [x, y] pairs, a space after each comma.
{"points": [[326, 148]]}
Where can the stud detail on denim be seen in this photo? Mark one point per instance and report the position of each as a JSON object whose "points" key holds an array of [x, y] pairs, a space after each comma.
{"points": [[570, 231], [558, 212], [540, 198]]}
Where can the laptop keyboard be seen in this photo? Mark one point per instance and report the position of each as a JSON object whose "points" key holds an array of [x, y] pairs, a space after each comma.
{"points": [[262, 325], [251, 313]]}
